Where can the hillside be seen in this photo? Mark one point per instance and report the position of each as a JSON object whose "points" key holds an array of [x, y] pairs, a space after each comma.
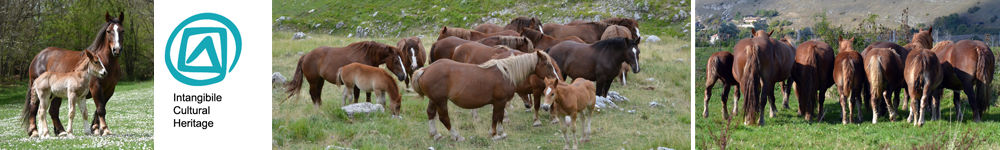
{"points": [[850, 12]]}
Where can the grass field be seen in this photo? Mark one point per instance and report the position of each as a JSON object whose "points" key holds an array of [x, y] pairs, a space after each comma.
{"points": [[129, 113], [297, 125], [790, 131]]}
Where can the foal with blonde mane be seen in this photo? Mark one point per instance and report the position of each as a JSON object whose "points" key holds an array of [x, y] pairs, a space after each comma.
{"points": [[70, 85], [570, 99]]}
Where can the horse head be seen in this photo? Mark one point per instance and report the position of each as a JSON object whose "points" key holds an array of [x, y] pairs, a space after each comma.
{"points": [[394, 61], [846, 44], [546, 66], [550, 93], [113, 32], [633, 54], [93, 65]]}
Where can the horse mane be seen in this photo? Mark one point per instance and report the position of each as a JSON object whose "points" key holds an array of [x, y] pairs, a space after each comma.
{"points": [[621, 21], [511, 41], [612, 44], [598, 26], [520, 22], [99, 39], [458, 32], [941, 45], [371, 49], [534, 34], [515, 68], [920, 40], [616, 31]]}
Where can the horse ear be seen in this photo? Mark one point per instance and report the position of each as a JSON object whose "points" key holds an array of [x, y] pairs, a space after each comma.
{"points": [[852, 39], [753, 32], [121, 17], [769, 33], [88, 54], [840, 38], [107, 17], [930, 29]]}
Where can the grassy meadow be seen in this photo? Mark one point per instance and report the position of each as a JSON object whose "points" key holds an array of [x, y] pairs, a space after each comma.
{"points": [[129, 114], [788, 130], [298, 125]]}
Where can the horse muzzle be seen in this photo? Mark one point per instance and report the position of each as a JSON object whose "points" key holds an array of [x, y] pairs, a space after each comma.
{"points": [[528, 105], [546, 107], [116, 51]]}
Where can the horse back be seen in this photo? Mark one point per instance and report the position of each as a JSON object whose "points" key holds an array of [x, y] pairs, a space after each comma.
{"points": [[720, 66], [848, 69], [443, 48]]}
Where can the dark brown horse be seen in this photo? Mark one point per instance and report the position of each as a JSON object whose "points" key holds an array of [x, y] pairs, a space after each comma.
{"points": [[322, 64], [516, 24], [442, 48], [849, 75], [883, 67], [473, 86], [759, 62], [514, 42], [599, 62], [812, 74], [921, 40], [972, 68], [471, 35], [107, 47], [923, 76], [719, 67], [543, 41], [589, 32], [618, 31], [413, 54], [631, 24]]}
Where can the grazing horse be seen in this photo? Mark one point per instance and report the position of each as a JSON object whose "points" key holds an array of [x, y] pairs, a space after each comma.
{"points": [[883, 67], [471, 35], [323, 64], [849, 75], [571, 99], [107, 46], [759, 62], [719, 67], [413, 54], [369, 79], [473, 86], [631, 24], [972, 65], [442, 48], [589, 32], [69, 85], [812, 74], [516, 24], [923, 76], [599, 62], [515, 42], [618, 31], [543, 41]]}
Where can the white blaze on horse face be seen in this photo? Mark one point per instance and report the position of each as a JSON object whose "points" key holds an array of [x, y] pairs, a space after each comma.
{"points": [[540, 29], [405, 74], [117, 44], [555, 73], [413, 54], [635, 54], [637, 32], [548, 90]]}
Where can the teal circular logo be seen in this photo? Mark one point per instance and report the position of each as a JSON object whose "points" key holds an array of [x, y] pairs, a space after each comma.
{"points": [[206, 45]]}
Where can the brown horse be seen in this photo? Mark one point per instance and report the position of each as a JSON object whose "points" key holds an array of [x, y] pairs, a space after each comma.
{"points": [[972, 65], [922, 75], [759, 62], [515, 24], [324, 62], [599, 62], [70, 85], [107, 47], [571, 99], [618, 31], [631, 24], [589, 32], [369, 79], [515, 42], [812, 74], [442, 48], [413, 54], [543, 41], [883, 67], [476, 53], [530, 90], [471, 35], [472, 86], [849, 75], [719, 67], [921, 40]]}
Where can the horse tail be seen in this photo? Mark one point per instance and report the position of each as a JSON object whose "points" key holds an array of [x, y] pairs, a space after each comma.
{"points": [[292, 88], [433, 47], [416, 82], [847, 72], [984, 68], [30, 100], [711, 71], [874, 70], [751, 78]]}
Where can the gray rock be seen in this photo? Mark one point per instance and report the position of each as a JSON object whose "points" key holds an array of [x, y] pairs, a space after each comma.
{"points": [[655, 104], [339, 25], [653, 39], [615, 97], [363, 107], [604, 103], [277, 78], [299, 35]]}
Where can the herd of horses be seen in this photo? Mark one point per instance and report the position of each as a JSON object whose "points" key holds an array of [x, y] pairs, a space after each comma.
{"points": [[57, 73], [485, 66], [874, 76]]}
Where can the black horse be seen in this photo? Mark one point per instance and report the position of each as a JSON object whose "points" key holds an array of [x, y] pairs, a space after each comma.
{"points": [[600, 62]]}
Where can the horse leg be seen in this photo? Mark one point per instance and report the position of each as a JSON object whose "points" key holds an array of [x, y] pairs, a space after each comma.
{"points": [[572, 127], [82, 105], [888, 96], [368, 96], [912, 103], [536, 94], [844, 105], [43, 106], [565, 133], [768, 92], [380, 97], [936, 108], [54, 109], [821, 98], [32, 107], [497, 123], [346, 94], [958, 104], [736, 99], [708, 95], [314, 91], [982, 97], [100, 101], [72, 113], [431, 114], [357, 94], [923, 105], [786, 89], [724, 99], [769, 98], [442, 110], [588, 119]]}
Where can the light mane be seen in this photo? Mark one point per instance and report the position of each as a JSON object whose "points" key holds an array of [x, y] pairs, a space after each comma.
{"points": [[460, 33], [515, 68]]}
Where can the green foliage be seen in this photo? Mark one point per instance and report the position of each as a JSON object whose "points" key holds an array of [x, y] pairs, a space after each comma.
{"points": [[766, 13], [956, 25], [973, 9]]}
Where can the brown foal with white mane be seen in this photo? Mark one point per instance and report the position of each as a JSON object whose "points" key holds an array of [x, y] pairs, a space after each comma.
{"points": [[570, 99], [70, 85]]}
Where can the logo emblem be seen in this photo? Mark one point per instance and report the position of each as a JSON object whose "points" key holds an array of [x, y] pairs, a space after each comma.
{"points": [[219, 65]]}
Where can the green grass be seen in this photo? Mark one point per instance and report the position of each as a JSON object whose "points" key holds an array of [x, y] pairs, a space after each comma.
{"points": [[790, 131], [129, 114], [297, 125]]}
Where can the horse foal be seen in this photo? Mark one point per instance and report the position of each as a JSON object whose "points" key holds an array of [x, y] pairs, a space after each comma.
{"points": [[570, 100], [70, 85], [370, 79]]}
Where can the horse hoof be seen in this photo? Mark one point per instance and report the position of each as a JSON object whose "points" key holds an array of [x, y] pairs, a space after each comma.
{"points": [[437, 137], [566, 147], [106, 133], [537, 123], [458, 138], [499, 137], [33, 134], [63, 134]]}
